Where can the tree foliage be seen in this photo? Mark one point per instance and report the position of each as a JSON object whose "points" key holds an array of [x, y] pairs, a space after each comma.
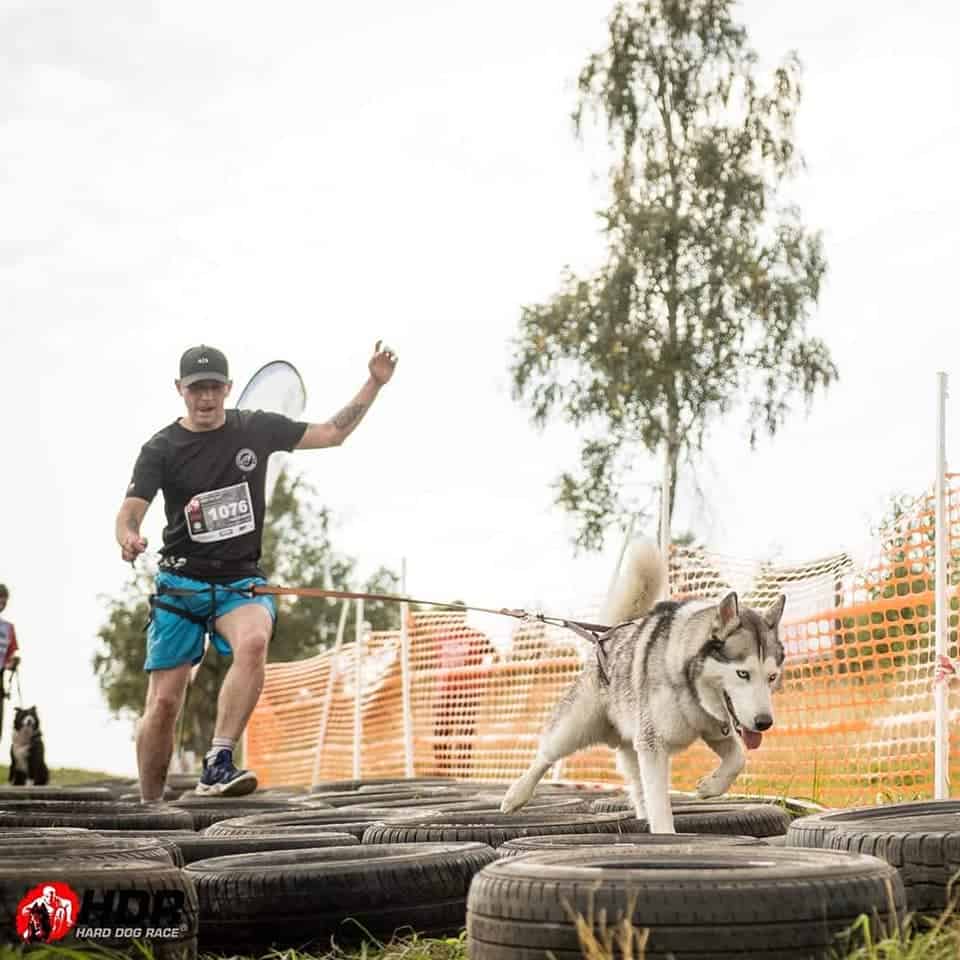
{"points": [[703, 299], [297, 551]]}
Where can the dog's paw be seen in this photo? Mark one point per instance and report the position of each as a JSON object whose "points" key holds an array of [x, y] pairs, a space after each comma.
{"points": [[515, 797], [713, 786]]}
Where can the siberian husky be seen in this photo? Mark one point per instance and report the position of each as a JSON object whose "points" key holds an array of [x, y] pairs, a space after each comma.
{"points": [[665, 675]]}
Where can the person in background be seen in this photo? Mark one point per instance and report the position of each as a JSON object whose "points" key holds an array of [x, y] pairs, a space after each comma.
{"points": [[9, 650]]}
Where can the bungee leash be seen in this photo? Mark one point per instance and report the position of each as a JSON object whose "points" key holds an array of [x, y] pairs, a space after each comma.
{"points": [[594, 632]]}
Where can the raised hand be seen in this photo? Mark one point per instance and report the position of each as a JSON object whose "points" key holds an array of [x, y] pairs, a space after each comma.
{"points": [[382, 363]]}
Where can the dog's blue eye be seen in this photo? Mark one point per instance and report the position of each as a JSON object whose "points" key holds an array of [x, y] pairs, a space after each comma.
{"points": [[743, 674]]}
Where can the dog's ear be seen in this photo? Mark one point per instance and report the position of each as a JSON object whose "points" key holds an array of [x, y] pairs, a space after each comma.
{"points": [[773, 613], [728, 614]]}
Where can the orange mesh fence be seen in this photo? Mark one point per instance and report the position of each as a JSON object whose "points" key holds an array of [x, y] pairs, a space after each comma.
{"points": [[854, 720]]}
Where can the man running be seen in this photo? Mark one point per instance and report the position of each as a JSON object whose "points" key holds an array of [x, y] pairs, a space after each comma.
{"points": [[211, 466]]}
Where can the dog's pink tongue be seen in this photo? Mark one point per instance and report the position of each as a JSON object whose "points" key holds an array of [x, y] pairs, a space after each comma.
{"points": [[751, 738]]}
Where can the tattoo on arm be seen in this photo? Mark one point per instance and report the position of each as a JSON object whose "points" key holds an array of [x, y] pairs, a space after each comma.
{"points": [[349, 416]]}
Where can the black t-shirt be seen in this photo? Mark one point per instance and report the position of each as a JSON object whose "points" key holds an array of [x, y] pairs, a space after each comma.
{"points": [[213, 484]]}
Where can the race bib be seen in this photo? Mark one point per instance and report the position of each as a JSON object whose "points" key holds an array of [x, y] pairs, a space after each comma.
{"points": [[220, 514]]}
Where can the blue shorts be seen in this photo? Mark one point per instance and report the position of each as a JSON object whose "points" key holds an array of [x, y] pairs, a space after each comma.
{"points": [[173, 640]]}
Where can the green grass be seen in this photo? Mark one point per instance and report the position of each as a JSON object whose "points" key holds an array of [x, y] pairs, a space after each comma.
{"points": [[926, 939], [413, 948], [930, 940]]}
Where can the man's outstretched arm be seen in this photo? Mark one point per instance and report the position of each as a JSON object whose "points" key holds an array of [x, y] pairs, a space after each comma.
{"points": [[335, 430]]}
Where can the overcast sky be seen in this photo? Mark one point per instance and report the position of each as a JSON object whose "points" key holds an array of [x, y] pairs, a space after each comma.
{"points": [[297, 181]]}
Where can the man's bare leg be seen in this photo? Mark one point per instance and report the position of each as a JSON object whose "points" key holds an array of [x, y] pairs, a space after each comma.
{"points": [[247, 629], [157, 728]]}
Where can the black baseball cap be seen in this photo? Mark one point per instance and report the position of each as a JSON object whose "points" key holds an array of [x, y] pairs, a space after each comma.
{"points": [[203, 363]]}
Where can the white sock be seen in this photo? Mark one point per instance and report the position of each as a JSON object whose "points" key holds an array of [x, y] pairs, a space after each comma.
{"points": [[218, 744]]}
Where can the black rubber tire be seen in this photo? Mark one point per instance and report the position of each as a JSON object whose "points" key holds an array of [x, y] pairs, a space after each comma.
{"points": [[183, 781], [259, 801], [207, 811], [288, 794], [133, 796], [494, 829], [738, 818], [89, 847], [343, 798], [545, 788], [697, 903], [924, 849], [413, 782], [109, 782], [617, 802], [577, 841], [814, 830], [94, 815], [547, 801], [741, 819], [301, 898], [75, 794], [333, 821], [189, 846], [17, 877], [480, 803], [198, 847], [366, 802], [41, 832]]}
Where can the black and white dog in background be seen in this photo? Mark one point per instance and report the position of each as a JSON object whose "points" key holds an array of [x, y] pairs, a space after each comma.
{"points": [[27, 764]]}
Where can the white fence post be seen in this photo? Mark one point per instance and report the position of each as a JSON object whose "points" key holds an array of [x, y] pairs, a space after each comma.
{"points": [[408, 765], [328, 696], [665, 508], [941, 750], [358, 653]]}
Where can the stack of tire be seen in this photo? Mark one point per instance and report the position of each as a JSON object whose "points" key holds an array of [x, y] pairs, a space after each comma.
{"points": [[290, 868], [706, 893], [104, 860], [921, 839]]}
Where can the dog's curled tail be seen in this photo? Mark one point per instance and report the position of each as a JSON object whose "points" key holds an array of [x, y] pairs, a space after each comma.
{"points": [[638, 587]]}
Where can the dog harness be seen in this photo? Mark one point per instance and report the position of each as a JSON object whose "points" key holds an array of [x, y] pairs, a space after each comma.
{"points": [[597, 635]]}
